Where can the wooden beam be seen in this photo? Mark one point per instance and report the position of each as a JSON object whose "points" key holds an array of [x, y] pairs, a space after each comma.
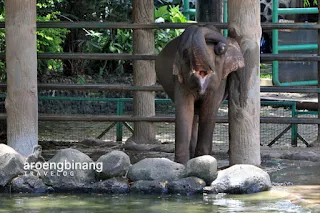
{"points": [[21, 61]]}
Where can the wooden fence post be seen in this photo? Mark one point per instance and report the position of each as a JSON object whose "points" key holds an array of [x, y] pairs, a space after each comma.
{"points": [[143, 71], [244, 85], [21, 61]]}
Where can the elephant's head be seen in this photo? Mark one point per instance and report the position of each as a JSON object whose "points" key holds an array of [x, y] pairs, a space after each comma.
{"points": [[205, 57]]}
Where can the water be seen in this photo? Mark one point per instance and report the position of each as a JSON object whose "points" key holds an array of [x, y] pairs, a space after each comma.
{"points": [[279, 199]]}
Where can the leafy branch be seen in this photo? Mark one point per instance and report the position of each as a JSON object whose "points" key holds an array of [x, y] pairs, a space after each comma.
{"points": [[306, 3]]}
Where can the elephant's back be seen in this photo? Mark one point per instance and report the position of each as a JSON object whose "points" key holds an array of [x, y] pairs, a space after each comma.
{"points": [[164, 67]]}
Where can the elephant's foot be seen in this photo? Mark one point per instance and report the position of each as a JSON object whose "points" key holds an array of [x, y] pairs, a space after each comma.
{"points": [[181, 159]]}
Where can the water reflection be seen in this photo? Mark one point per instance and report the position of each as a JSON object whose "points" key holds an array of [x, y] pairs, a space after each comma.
{"points": [[279, 199]]}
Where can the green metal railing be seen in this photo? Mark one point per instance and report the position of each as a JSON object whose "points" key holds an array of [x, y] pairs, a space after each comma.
{"points": [[120, 111], [276, 47], [186, 9], [225, 16], [293, 127]]}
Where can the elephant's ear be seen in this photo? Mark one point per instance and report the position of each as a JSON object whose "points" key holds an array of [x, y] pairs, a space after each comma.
{"points": [[176, 69], [233, 58]]}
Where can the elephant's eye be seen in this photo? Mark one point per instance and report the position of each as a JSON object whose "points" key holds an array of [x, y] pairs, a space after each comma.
{"points": [[220, 48], [185, 55]]}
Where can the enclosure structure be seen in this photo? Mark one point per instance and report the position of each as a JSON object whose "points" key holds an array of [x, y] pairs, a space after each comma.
{"points": [[152, 57], [244, 85], [21, 61]]}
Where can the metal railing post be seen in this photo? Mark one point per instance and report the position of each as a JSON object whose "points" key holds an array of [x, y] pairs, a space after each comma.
{"points": [[318, 138], [276, 48], [186, 9], [275, 42], [225, 16], [294, 129]]}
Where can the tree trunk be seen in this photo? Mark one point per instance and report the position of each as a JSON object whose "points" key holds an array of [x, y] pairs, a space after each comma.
{"points": [[209, 11], [143, 71], [317, 141], [21, 60], [244, 85]]}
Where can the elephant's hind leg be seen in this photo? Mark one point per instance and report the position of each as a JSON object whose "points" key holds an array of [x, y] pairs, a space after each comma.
{"points": [[194, 136]]}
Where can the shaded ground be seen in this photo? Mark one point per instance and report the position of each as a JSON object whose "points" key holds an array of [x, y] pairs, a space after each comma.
{"points": [[77, 131]]}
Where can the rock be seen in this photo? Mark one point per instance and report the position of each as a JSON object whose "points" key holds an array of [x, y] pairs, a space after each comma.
{"points": [[203, 167], [11, 164], [150, 187], [189, 185], [116, 185], [136, 156], [36, 156], [69, 170], [240, 179], [5, 149], [115, 164], [28, 184], [156, 169], [302, 155]]}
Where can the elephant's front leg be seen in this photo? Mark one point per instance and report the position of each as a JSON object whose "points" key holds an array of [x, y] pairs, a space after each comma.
{"points": [[207, 120], [194, 136], [184, 102]]}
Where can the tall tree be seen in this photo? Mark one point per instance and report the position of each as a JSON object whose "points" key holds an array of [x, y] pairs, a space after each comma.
{"points": [[21, 60], [143, 71], [244, 85]]}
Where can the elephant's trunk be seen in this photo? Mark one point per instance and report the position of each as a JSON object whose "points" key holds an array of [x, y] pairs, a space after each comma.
{"points": [[201, 59]]}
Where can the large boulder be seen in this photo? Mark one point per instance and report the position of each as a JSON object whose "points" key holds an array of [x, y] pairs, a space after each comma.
{"points": [[28, 184], [114, 164], [149, 187], [11, 164], [203, 167], [187, 186], [69, 170], [240, 179], [156, 169]]}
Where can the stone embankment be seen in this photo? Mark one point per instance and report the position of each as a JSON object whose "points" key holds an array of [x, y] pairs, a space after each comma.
{"points": [[70, 170]]}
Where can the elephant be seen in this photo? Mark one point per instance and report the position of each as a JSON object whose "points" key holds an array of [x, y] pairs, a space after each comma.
{"points": [[193, 70]]}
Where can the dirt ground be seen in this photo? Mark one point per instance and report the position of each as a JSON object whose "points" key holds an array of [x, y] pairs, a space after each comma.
{"points": [[77, 131]]}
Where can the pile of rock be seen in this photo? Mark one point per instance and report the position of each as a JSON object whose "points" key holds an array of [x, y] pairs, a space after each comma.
{"points": [[73, 171]]}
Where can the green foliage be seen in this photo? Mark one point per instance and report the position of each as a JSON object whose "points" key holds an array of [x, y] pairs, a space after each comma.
{"points": [[97, 41], [120, 41], [92, 41], [81, 79], [50, 40], [45, 7], [167, 14], [265, 76], [306, 3], [109, 41]]}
